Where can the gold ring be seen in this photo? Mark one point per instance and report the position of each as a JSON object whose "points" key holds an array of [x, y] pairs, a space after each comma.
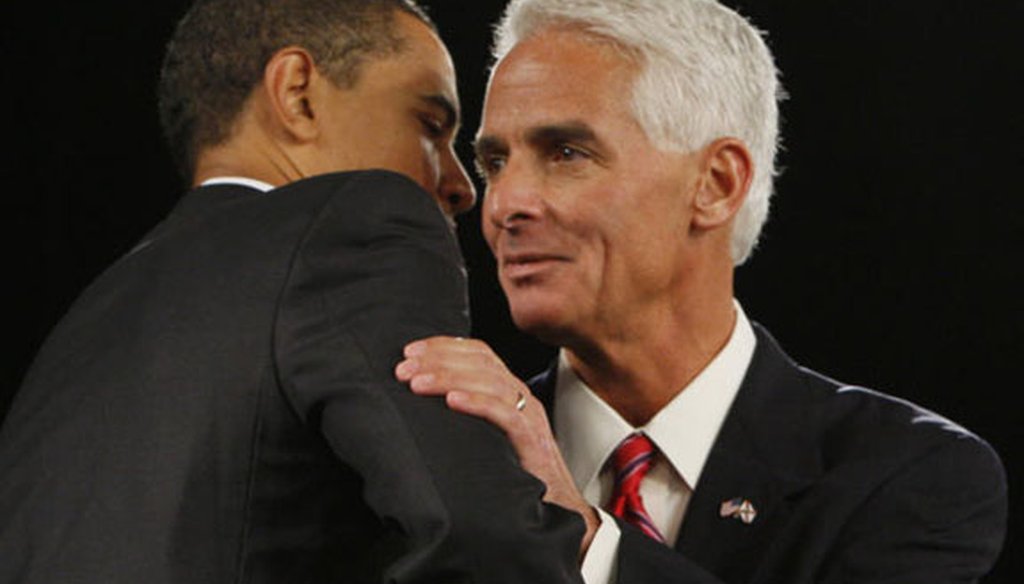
{"points": [[521, 402]]}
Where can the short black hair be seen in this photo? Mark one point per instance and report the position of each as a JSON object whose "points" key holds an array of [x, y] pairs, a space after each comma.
{"points": [[219, 50]]}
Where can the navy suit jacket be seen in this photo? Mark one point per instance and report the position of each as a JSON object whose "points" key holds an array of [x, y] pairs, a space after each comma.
{"points": [[219, 406], [849, 485]]}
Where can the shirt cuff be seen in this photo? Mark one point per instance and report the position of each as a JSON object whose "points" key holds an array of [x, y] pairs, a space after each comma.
{"points": [[601, 560]]}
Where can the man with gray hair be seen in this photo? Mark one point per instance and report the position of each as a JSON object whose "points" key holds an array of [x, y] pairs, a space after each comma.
{"points": [[628, 149]]}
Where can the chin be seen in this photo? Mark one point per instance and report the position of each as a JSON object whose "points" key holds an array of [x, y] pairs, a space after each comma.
{"points": [[546, 320]]}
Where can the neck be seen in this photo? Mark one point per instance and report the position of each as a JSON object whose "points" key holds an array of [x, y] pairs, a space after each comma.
{"points": [[250, 152], [657, 354]]}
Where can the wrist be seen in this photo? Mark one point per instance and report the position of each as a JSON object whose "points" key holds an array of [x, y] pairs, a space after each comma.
{"points": [[593, 522]]}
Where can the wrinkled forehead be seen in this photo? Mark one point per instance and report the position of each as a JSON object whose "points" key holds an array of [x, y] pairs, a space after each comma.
{"points": [[566, 45], [559, 73]]}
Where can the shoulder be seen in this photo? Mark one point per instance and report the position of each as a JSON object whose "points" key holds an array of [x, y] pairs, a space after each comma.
{"points": [[881, 466], [909, 475], [364, 210], [366, 193], [861, 421], [861, 426]]}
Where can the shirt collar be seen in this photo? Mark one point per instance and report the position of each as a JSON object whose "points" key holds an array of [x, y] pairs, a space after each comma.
{"points": [[238, 180], [588, 429]]}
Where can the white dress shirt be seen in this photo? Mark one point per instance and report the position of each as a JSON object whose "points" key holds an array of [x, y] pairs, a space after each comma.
{"points": [[588, 430], [238, 180]]}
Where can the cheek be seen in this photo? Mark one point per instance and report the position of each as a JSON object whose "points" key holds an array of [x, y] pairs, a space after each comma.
{"points": [[612, 232], [487, 228], [415, 157], [418, 158], [596, 218], [430, 161]]}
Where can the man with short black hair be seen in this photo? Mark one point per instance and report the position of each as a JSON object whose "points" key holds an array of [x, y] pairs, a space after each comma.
{"points": [[218, 406]]}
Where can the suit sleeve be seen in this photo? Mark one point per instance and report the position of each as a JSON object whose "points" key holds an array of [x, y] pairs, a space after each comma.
{"points": [[379, 268], [644, 561], [941, 519]]}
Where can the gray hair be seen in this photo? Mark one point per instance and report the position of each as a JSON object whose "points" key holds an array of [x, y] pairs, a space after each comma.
{"points": [[705, 73]]}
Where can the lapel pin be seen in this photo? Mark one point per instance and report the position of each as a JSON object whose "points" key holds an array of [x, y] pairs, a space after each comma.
{"points": [[738, 508]]}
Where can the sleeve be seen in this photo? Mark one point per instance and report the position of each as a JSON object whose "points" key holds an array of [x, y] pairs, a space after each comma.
{"points": [[642, 560], [941, 519], [599, 563], [378, 268]]}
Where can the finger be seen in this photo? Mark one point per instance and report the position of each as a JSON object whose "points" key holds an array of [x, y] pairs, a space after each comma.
{"points": [[477, 380], [446, 349], [444, 344], [499, 412], [439, 367], [439, 362], [406, 369]]}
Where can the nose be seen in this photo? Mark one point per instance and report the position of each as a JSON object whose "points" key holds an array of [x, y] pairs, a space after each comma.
{"points": [[511, 199], [456, 192]]}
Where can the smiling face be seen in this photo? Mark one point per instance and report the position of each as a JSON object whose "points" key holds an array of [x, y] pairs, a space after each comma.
{"points": [[401, 115], [588, 221]]}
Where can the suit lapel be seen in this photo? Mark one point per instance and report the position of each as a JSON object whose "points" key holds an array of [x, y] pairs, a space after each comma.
{"points": [[543, 387], [764, 454]]}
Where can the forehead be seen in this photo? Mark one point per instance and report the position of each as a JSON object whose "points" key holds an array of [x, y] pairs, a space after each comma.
{"points": [[424, 61], [559, 75]]}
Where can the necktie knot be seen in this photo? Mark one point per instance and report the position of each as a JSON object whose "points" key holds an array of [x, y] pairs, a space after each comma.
{"points": [[632, 457], [630, 462]]}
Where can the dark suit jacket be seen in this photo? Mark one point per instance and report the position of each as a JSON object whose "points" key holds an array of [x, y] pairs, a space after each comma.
{"points": [[849, 485], [219, 406]]}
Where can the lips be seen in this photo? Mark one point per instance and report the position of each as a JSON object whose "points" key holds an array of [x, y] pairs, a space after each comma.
{"points": [[518, 266]]}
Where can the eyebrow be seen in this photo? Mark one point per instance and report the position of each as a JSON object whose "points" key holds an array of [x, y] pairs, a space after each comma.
{"points": [[489, 145], [571, 131], [451, 111]]}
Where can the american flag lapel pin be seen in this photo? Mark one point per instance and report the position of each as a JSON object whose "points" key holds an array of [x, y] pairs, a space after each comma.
{"points": [[738, 508]]}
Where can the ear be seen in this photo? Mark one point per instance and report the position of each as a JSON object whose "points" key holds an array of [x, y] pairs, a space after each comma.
{"points": [[728, 169], [288, 81]]}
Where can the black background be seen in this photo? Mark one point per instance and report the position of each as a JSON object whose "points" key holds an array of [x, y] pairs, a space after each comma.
{"points": [[889, 260]]}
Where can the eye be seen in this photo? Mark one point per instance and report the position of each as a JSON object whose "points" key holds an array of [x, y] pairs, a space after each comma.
{"points": [[489, 165], [567, 153], [432, 126]]}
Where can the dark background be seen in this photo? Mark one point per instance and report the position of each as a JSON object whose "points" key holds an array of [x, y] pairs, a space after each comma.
{"points": [[889, 260]]}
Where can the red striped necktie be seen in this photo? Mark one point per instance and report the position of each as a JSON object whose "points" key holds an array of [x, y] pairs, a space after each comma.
{"points": [[630, 462]]}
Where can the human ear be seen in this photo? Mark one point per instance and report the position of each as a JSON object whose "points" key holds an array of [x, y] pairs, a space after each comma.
{"points": [[727, 171], [288, 80]]}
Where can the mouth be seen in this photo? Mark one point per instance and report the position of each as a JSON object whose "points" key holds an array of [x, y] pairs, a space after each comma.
{"points": [[527, 265]]}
